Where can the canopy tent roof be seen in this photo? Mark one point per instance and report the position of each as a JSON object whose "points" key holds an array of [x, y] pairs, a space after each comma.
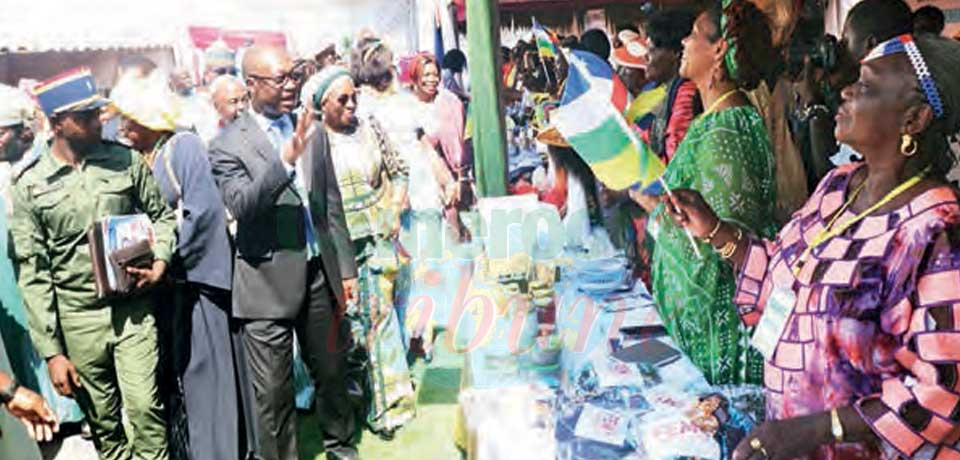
{"points": [[202, 37], [529, 5], [35, 26]]}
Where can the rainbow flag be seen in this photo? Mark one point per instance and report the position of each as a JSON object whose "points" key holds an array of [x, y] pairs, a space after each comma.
{"points": [[591, 119], [547, 44]]}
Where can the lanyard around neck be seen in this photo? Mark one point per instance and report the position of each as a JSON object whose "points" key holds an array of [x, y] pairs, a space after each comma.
{"points": [[829, 231]]}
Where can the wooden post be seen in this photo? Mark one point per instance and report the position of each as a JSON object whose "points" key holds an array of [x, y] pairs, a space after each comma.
{"points": [[489, 147]]}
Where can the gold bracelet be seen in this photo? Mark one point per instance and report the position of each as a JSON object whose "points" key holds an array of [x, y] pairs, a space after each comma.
{"points": [[713, 233], [729, 249]]}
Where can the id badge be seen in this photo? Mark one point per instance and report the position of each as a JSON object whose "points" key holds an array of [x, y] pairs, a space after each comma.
{"points": [[773, 321]]}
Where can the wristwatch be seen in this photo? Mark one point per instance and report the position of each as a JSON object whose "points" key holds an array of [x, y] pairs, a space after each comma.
{"points": [[836, 428], [7, 392]]}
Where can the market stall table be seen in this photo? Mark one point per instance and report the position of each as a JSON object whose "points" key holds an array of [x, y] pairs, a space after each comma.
{"points": [[601, 382]]}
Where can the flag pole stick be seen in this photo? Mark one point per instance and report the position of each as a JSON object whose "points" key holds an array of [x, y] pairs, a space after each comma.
{"points": [[543, 63], [693, 242], [639, 144], [536, 41]]}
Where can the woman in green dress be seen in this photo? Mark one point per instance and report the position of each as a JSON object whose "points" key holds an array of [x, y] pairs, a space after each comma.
{"points": [[726, 154]]}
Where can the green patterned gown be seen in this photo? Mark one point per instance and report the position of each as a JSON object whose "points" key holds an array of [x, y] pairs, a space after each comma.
{"points": [[727, 157]]}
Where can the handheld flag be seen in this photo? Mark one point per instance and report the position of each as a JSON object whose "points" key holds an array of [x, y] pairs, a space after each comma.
{"points": [[591, 119], [547, 44]]}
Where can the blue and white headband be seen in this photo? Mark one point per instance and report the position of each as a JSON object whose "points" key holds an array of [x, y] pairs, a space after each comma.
{"points": [[905, 44]]}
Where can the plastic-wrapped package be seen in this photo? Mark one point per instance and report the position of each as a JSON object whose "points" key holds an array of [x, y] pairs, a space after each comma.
{"points": [[709, 426], [602, 425], [749, 400], [612, 372], [669, 434], [571, 445]]}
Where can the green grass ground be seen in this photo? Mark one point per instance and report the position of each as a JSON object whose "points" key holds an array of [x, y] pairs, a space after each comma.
{"points": [[428, 437]]}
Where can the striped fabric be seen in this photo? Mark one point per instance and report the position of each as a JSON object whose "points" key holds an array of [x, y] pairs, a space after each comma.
{"points": [[73, 90], [876, 324], [591, 118], [547, 43]]}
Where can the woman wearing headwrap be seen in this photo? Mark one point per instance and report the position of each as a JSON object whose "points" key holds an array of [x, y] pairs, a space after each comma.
{"points": [[856, 298], [201, 358], [726, 155], [373, 183]]}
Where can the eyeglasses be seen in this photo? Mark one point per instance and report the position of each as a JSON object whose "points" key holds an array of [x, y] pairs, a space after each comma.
{"points": [[293, 76]]}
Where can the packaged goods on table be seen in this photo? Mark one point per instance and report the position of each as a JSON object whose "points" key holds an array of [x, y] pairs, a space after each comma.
{"points": [[621, 388]]}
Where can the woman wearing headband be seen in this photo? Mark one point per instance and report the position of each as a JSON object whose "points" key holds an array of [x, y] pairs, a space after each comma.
{"points": [[726, 154], [379, 94], [856, 300], [372, 178]]}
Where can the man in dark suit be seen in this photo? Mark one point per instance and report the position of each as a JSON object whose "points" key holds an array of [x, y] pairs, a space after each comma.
{"points": [[294, 265]]}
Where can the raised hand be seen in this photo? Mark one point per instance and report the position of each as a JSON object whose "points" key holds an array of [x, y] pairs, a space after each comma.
{"points": [[293, 149]]}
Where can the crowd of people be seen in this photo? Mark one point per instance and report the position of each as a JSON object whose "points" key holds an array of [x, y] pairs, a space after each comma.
{"points": [[808, 240], [278, 192]]}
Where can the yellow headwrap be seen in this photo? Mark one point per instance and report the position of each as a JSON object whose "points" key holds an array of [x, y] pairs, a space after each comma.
{"points": [[148, 101]]}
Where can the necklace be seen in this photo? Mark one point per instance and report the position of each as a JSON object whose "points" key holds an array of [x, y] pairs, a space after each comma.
{"points": [[719, 100], [829, 232]]}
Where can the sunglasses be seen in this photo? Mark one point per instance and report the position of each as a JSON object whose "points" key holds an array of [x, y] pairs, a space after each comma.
{"points": [[343, 99]]}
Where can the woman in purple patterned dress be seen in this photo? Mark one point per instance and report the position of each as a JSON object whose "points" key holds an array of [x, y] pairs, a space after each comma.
{"points": [[856, 302]]}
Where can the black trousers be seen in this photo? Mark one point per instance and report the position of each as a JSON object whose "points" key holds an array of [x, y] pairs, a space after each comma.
{"points": [[324, 337]]}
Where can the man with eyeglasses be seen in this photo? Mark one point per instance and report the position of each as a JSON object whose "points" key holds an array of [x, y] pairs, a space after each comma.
{"points": [[294, 263], [103, 352]]}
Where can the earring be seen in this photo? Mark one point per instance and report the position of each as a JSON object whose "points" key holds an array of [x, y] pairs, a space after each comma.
{"points": [[908, 145]]}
